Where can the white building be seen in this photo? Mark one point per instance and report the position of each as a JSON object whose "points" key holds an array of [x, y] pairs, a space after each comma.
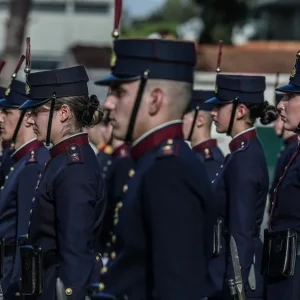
{"points": [[55, 25]]}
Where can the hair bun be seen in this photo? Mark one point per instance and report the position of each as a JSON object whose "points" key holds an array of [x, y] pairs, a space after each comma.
{"points": [[268, 113]]}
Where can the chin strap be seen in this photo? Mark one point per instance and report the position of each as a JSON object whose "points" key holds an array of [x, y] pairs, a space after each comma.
{"points": [[234, 107], [193, 124]]}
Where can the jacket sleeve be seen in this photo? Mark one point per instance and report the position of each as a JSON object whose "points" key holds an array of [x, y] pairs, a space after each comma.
{"points": [[242, 186], [174, 220], [77, 196], [27, 181]]}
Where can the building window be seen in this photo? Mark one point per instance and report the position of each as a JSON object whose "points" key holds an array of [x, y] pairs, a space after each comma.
{"points": [[49, 7], [3, 4], [96, 8]]}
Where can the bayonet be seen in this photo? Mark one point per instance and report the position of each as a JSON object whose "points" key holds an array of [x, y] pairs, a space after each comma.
{"points": [[236, 284]]}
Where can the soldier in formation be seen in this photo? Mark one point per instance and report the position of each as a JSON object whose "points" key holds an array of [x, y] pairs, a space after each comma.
{"points": [[167, 221], [197, 123]]}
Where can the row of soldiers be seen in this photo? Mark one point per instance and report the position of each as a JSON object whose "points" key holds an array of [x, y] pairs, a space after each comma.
{"points": [[155, 219]]}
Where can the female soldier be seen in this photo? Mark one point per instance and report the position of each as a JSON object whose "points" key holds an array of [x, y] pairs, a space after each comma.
{"points": [[241, 186], [282, 264], [28, 159], [67, 210]]}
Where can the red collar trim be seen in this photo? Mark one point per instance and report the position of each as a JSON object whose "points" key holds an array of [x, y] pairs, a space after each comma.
{"points": [[205, 145], [121, 151], [239, 141], [32, 146], [80, 139], [173, 131]]}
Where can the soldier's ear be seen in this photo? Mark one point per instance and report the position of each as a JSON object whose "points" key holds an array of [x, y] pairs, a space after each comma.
{"points": [[64, 113], [241, 111], [200, 119], [155, 101]]}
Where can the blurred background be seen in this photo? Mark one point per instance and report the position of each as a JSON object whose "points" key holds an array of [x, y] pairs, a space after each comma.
{"points": [[260, 36]]}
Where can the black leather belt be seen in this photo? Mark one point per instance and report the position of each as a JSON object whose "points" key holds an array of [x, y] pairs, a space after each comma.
{"points": [[50, 259]]}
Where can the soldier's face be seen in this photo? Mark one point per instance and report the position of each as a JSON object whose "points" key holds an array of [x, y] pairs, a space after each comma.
{"points": [[187, 123], [38, 119], [289, 109], [120, 102], [8, 121], [278, 126], [221, 116], [99, 133]]}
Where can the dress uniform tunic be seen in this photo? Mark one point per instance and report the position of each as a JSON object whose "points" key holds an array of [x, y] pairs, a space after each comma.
{"points": [[212, 156], [6, 160], [122, 168], [207, 150], [285, 209], [15, 204], [68, 207], [284, 157], [241, 189], [163, 224], [66, 216], [105, 159]]}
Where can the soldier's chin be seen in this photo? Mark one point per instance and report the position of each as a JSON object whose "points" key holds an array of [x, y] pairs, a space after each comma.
{"points": [[118, 134], [287, 126], [220, 129], [40, 138]]}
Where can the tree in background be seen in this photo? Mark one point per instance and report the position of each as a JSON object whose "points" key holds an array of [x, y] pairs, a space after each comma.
{"points": [[164, 19], [15, 33], [220, 17]]}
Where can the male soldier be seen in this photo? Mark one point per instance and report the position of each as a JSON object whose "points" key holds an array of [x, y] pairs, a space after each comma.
{"points": [[197, 127], [163, 227], [17, 192]]}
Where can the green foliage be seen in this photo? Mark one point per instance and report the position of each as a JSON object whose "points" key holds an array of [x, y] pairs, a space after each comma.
{"points": [[145, 29], [165, 18]]}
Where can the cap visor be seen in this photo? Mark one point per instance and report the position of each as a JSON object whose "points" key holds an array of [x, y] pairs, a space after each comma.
{"points": [[6, 104], [288, 88], [117, 78], [214, 100], [33, 103]]}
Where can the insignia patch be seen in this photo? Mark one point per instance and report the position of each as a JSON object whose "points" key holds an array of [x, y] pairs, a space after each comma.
{"points": [[32, 158], [74, 154], [207, 153], [168, 150]]}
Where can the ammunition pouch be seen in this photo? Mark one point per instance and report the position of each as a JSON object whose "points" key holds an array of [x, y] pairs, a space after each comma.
{"points": [[280, 253], [31, 270]]}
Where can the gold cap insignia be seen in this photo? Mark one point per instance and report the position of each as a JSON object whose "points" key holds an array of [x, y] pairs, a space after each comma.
{"points": [[113, 59], [27, 89], [293, 73], [294, 70], [7, 92]]}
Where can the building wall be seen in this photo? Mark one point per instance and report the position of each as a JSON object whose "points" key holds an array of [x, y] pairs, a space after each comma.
{"points": [[55, 25]]}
